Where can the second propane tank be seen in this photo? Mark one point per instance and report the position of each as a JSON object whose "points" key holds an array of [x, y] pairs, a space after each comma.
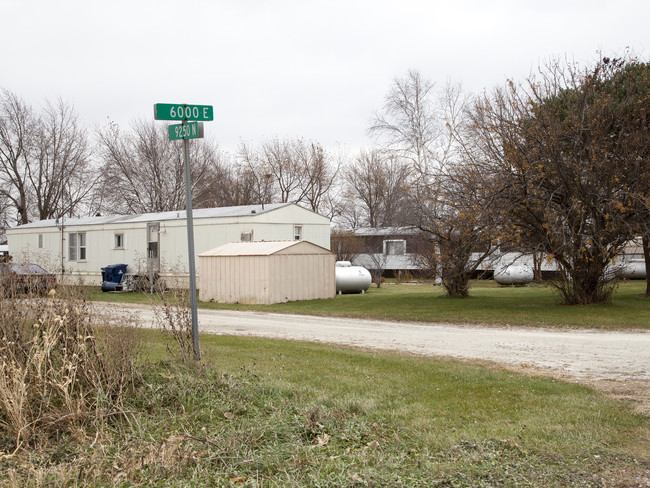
{"points": [[351, 279]]}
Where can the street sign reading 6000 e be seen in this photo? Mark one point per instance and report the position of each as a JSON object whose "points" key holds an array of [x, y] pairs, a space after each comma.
{"points": [[182, 111]]}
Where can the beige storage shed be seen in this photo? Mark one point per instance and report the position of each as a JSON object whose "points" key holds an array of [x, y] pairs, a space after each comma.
{"points": [[266, 272]]}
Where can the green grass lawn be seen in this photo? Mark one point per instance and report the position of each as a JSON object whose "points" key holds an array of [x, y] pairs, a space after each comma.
{"points": [[268, 413], [534, 305]]}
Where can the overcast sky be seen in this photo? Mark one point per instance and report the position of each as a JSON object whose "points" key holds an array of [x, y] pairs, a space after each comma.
{"points": [[314, 69]]}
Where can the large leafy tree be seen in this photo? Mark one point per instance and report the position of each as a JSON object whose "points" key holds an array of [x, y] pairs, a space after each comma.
{"points": [[560, 143], [629, 89]]}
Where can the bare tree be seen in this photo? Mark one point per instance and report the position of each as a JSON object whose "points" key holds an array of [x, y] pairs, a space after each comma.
{"points": [[285, 164], [377, 265], [408, 122], [17, 134], [321, 171], [144, 172], [291, 170], [61, 175], [414, 121], [346, 245], [253, 173], [457, 213], [377, 190], [45, 163], [5, 217], [450, 202], [219, 185]]}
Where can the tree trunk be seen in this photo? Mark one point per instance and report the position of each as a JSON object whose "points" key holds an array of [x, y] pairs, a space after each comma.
{"points": [[646, 255], [583, 281], [457, 285], [376, 275], [537, 267]]}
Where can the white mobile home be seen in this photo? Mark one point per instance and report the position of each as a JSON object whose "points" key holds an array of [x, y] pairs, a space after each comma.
{"points": [[80, 247]]}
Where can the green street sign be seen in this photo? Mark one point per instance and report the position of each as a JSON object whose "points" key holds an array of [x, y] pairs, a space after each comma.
{"points": [[182, 111], [186, 130]]}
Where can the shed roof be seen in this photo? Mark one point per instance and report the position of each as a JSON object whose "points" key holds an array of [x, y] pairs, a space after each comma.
{"points": [[266, 248], [199, 213]]}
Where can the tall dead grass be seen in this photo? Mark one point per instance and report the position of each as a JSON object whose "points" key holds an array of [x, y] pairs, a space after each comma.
{"points": [[174, 319], [59, 372]]}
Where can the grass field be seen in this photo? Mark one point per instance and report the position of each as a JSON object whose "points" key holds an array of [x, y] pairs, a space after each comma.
{"points": [[266, 413], [534, 305]]}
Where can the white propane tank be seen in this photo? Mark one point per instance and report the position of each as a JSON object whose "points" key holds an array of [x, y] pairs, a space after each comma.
{"points": [[634, 269], [351, 279], [515, 274]]}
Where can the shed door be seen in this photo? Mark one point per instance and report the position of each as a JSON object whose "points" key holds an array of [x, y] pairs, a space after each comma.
{"points": [[153, 251]]}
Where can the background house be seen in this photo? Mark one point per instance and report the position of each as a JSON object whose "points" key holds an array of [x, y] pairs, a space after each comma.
{"points": [[392, 250], [157, 242]]}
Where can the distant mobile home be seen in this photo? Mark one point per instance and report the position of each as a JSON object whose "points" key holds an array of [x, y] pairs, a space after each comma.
{"points": [[82, 246]]}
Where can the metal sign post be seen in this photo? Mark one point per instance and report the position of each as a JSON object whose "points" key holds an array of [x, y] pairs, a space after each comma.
{"points": [[190, 251], [185, 131]]}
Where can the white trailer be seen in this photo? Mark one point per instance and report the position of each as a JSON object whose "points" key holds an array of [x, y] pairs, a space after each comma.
{"points": [[76, 249]]}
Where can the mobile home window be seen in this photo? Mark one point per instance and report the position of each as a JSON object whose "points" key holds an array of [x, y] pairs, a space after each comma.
{"points": [[246, 237], [395, 247], [40, 241], [119, 241], [77, 246], [297, 232]]}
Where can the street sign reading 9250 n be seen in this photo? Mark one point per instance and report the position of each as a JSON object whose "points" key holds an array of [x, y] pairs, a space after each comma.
{"points": [[182, 111]]}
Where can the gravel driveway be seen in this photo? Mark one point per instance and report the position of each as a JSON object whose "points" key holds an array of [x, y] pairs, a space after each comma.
{"points": [[618, 362]]}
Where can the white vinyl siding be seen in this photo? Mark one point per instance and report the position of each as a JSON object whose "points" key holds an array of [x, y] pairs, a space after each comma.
{"points": [[276, 224]]}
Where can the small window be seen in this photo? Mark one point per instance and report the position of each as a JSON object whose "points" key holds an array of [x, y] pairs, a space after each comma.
{"points": [[77, 246], [82, 246], [72, 247], [153, 233], [153, 250], [246, 237], [40, 241], [297, 232], [119, 241], [395, 247]]}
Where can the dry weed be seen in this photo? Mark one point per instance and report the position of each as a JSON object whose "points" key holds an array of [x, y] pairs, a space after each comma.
{"points": [[174, 318], [58, 373]]}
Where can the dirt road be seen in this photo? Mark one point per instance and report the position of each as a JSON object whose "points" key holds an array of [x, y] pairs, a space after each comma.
{"points": [[619, 362]]}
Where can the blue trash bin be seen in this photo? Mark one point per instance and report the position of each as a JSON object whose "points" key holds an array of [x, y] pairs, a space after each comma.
{"points": [[112, 276]]}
